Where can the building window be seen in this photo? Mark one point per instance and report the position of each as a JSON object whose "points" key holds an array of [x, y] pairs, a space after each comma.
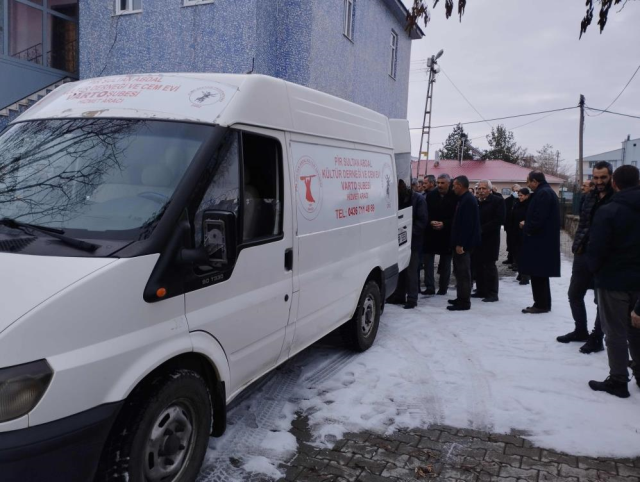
{"points": [[589, 177], [44, 33], [128, 6], [592, 164], [394, 55], [349, 13], [188, 3]]}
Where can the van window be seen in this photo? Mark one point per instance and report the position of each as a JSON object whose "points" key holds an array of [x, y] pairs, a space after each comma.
{"points": [[262, 187]]}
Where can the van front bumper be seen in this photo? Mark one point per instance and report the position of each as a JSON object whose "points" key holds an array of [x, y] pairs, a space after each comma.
{"points": [[67, 450]]}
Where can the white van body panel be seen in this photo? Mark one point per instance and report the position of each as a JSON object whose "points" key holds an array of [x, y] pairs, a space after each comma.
{"points": [[99, 336], [27, 281]]}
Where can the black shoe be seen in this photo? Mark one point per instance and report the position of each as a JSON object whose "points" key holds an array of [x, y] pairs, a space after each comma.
{"points": [[573, 336], [409, 305], [612, 387], [477, 295], [428, 292], [490, 299], [519, 277], [453, 302], [441, 292], [457, 307], [593, 345], [524, 282], [534, 310]]}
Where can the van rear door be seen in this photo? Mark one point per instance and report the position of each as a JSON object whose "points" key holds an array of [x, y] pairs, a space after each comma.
{"points": [[404, 237]]}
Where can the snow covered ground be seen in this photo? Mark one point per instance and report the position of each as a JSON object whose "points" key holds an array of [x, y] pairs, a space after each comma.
{"points": [[491, 368]]}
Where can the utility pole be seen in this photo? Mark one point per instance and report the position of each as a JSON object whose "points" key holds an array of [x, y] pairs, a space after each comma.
{"points": [[581, 139], [432, 63]]}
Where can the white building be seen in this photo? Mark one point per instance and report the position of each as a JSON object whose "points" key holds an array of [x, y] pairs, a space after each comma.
{"points": [[628, 154]]}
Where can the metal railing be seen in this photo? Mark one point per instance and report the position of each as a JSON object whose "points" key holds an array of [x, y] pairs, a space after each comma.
{"points": [[62, 59]]}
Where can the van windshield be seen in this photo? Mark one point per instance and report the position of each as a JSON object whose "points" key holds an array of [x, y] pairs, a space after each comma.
{"points": [[105, 178]]}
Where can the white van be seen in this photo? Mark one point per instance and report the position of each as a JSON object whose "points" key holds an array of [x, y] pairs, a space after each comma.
{"points": [[166, 240]]}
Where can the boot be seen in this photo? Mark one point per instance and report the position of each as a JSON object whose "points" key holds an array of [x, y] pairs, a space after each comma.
{"points": [[635, 369], [593, 345], [410, 305], [573, 336], [611, 386]]}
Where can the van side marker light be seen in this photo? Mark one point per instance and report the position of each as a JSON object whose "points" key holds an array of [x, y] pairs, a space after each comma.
{"points": [[161, 293]]}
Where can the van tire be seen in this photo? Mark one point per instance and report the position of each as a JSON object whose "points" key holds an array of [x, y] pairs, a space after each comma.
{"points": [[360, 331], [144, 431]]}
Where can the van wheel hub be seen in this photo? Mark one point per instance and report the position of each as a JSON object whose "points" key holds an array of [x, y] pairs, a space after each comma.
{"points": [[368, 315], [170, 442]]}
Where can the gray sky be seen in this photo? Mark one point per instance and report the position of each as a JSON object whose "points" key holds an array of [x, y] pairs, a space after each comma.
{"points": [[512, 57]]}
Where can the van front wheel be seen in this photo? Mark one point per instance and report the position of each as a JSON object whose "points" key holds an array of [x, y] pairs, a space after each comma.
{"points": [[162, 432], [360, 332]]}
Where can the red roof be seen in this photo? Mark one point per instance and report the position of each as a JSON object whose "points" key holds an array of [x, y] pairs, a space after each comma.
{"points": [[492, 170]]}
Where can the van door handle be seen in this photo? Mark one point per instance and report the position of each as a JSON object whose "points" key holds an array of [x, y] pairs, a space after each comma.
{"points": [[288, 259], [400, 216]]}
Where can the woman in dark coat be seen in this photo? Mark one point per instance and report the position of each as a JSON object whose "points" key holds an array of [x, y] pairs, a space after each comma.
{"points": [[518, 215], [540, 257]]}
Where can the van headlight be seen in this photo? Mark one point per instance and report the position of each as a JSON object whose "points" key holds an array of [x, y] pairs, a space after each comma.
{"points": [[22, 387]]}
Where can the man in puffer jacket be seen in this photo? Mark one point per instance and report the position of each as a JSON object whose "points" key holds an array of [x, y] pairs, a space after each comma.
{"points": [[613, 255]]}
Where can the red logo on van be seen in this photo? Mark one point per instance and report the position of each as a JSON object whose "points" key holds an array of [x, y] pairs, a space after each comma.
{"points": [[308, 188]]}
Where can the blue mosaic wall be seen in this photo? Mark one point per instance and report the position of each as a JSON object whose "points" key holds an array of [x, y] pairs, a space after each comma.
{"points": [[298, 40]]}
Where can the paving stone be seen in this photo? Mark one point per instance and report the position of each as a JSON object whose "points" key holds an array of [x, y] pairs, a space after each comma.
{"points": [[551, 467], [582, 474], [520, 474], [607, 477], [430, 433], [414, 451], [405, 438], [530, 452], [551, 456], [547, 477], [340, 457], [339, 445], [396, 459], [460, 439], [393, 471], [504, 479], [359, 448], [428, 444], [486, 445], [349, 473], [301, 435], [469, 432], [459, 474], [626, 471], [374, 466], [357, 437], [383, 443], [292, 472], [368, 477], [504, 459], [305, 448], [444, 428], [589, 463], [308, 475], [478, 454], [309, 462], [508, 439]]}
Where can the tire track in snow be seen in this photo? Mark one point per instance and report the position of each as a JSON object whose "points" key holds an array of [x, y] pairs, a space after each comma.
{"points": [[430, 406]]}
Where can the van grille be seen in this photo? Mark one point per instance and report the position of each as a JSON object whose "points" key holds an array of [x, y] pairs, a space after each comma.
{"points": [[14, 245]]}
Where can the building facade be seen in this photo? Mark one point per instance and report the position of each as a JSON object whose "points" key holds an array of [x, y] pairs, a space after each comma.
{"points": [[629, 153], [38, 46], [354, 49]]}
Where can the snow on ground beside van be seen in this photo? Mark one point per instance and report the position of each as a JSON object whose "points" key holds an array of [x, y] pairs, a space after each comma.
{"points": [[491, 368]]}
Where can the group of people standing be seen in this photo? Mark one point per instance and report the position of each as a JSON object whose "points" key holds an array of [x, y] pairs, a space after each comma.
{"points": [[463, 229]]}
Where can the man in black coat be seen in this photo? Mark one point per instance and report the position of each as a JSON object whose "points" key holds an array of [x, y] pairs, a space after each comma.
{"points": [[492, 213], [441, 205], [613, 255], [465, 236], [407, 290], [581, 277], [540, 257], [510, 228]]}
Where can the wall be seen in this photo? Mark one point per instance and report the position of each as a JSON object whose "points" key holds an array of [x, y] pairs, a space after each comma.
{"points": [[20, 79], [297, 40]]}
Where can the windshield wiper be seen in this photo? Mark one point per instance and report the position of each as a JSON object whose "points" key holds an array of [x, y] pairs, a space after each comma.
{"points": [[53, 232]]}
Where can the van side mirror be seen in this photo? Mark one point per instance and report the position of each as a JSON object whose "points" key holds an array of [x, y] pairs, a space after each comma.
{"points": [[218, 241]]}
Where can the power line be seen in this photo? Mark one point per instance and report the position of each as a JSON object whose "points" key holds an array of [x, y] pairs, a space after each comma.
{"points": [[464, 97], [608, 112], [618, 96], [502, 118]]}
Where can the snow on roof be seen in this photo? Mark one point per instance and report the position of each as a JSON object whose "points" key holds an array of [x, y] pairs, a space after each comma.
{"points": [[492, 170]]}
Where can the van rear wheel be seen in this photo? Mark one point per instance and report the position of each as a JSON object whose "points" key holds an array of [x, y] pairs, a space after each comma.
{"points": [[360, 332], [161, 433]]}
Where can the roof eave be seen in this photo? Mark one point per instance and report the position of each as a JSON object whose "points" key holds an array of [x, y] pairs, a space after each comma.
{"points": [[397, 8]]}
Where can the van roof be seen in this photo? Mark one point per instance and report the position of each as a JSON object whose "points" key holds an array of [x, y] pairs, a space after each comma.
{"points": [[221, 99]]}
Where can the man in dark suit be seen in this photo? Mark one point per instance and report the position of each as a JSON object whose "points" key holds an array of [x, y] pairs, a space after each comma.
{"points": [[492, 212], [441, 205], [540, 257], [465, 236]]}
